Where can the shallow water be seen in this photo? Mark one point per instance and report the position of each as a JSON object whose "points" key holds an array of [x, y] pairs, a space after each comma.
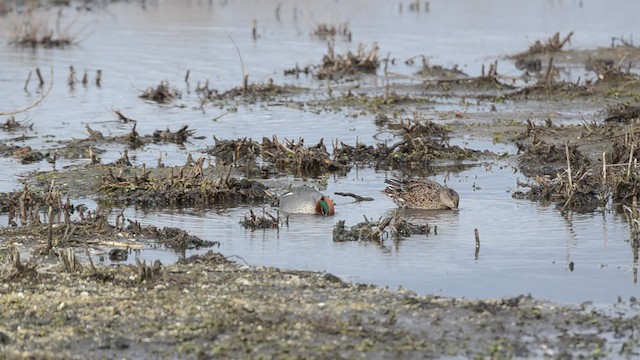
{"points": [[525, 247]]}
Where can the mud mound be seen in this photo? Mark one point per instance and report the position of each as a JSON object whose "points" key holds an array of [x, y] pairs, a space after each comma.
{"points": [[180, 186], [581, 191], [378, 231], [421, 144], [162, 93], [542, 158], [248, 92], [287, 155], [48, 225], [550, 45], [363, 61], [264, 221], [621, 112]]}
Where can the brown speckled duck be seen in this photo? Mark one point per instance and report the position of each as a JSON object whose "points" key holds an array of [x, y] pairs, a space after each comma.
{"points": [[306, 200], [421, 194]]}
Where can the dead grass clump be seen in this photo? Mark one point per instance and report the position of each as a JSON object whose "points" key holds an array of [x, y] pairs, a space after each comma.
{"points": [[243, 150], [617, 74], [26, 207], [291, 155], [172, 238], [89, 147], [623, 113], [324, 31], [148, 273], [16, 269], [177, 137], [162, 93], [541, 158], [57, 226], [551, 45], [580, 191], [361, 153], [178, 186], [422, 142], [209, 258], [378, 231], [489, 79], [547, 85], [12, 124], [362, 62], [31, 28], [625, 150], [26, 154], [284, 155], [441, 72], [296, 71], [249, 92], [264, 221], [528, 64], [624, 186], [425, 129], [547, 89]]}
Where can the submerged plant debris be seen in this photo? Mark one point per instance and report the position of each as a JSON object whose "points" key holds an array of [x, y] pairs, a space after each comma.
{"points": [[363, 61], [281, 156], [66, 225], [178, 186], [377, 231], [264, 221], [552, 44], [162, 93], [421, 144]]}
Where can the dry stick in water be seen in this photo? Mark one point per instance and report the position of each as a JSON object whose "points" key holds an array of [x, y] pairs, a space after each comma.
{"points": [[630, 159], [50, 232], [570, 189], [604, 169], [40, 76], [254, 29], [355, 196], [26, 83], [72, 76], [245, 76], [477, 235]]}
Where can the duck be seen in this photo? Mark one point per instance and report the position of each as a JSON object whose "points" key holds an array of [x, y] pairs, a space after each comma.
{"points": [[421, 194], [306, 200]]}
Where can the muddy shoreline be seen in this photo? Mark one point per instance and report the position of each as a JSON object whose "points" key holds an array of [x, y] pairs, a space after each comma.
{"points": [[207, 307]]}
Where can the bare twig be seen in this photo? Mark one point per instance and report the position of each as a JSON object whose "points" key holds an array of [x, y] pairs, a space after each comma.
{"points": [[244, 74], [355, 196]]}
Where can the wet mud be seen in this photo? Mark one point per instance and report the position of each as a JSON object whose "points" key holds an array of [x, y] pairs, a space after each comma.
{"points": [[209, 307]]}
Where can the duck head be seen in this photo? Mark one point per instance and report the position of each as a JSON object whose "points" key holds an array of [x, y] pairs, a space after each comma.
{"points": [[450, 198], [325, 206]]}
